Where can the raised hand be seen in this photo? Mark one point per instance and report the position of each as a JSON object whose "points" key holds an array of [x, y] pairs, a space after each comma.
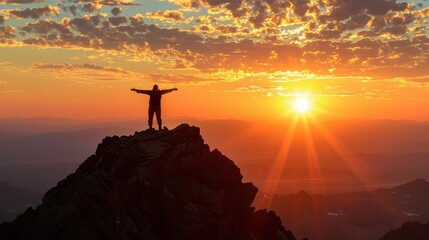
{"points": [[133, 89], [175, 89]]}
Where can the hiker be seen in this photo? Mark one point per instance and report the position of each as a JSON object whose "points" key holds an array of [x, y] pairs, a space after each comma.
{"points": [[154, 103]]}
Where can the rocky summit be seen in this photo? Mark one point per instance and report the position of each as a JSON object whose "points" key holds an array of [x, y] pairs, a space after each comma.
{"points": [[151, 185]]}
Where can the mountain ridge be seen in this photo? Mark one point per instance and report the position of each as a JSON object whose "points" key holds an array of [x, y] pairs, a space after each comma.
{"points": [[150, 185]]}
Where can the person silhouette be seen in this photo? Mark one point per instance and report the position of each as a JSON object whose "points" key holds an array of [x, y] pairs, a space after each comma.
{"points": [[154, 103]]}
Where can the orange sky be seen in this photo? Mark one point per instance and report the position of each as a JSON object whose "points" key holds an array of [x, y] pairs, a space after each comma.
{"points": [[229, 59]]}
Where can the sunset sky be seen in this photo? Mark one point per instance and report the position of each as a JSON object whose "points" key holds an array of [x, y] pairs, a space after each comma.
{"points": [[244, 59]]}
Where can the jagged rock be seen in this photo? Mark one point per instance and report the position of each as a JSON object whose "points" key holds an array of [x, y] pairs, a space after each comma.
{"points": [[151, 185]]}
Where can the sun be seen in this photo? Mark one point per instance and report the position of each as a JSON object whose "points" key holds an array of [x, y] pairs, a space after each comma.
{"points": [[301, 105]]}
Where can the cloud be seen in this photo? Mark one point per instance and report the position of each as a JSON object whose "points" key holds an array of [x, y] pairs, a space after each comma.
{"points": [[34, 13], [7, 35], [3, 19], [84, 71], [420, 79], [254, 35], [20, 1], [90, 7], [173, 15], [116, 11], [43, 27], [109, 2], [118, 20], [343, 9], [70, 67], [86, 8]]}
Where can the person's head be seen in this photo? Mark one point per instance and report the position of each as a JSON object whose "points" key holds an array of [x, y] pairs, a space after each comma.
{"points": [[155, 88]]}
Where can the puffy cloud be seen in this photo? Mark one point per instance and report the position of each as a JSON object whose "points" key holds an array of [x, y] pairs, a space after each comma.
{"points": [[116, 11], [227, 29], [43, 27], [88, 25], [166, 15], [3, 19], [118, 20], [34, 13], [90, 7], [187, 3], [266, 35], [86, 8], [356, 22], [343, 9], [7, 34]]}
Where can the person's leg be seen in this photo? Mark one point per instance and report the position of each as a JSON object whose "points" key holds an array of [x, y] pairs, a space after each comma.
{"points": [[150, 115], [158, 117]]}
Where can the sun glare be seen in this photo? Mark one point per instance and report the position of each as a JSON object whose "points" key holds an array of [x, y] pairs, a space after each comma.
{"points": [[301, 105]]}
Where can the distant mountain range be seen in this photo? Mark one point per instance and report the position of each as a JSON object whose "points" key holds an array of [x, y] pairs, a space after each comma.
{"points": [[14, 200], [352, 216], [386, 152]]}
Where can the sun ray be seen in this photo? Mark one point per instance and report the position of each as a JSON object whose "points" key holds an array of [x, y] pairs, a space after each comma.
{"points": [[351, 161], [274, 176], [313, 159]]}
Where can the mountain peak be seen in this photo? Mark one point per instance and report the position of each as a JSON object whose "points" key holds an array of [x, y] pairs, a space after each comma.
{"points": [[150, 185], [416, 184]]}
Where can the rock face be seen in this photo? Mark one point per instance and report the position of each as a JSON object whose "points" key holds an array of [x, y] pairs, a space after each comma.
{"points": [[152, 185]]}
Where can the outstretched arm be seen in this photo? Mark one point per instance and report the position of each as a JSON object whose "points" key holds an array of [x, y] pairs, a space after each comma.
{"points": [[141, 91], [168, 90]]}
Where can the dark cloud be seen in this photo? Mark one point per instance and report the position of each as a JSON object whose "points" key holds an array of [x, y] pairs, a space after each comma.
{"points": [[227, 29], [7, 34], [343, 9], [166, 15], [2, 19], [43, 27], [116, 11], [396, 30], [118, 20], [88, 25], [357, 21], [34, 13], [86, 8], [300, 7], [89, 7], [73, 9], [259, 16]]}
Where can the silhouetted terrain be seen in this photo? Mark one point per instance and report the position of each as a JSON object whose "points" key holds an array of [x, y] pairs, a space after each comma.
{"points": [[151, 185], [383, 153], [410, 230], [353, 216], [14, 200], [36, 153]]}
